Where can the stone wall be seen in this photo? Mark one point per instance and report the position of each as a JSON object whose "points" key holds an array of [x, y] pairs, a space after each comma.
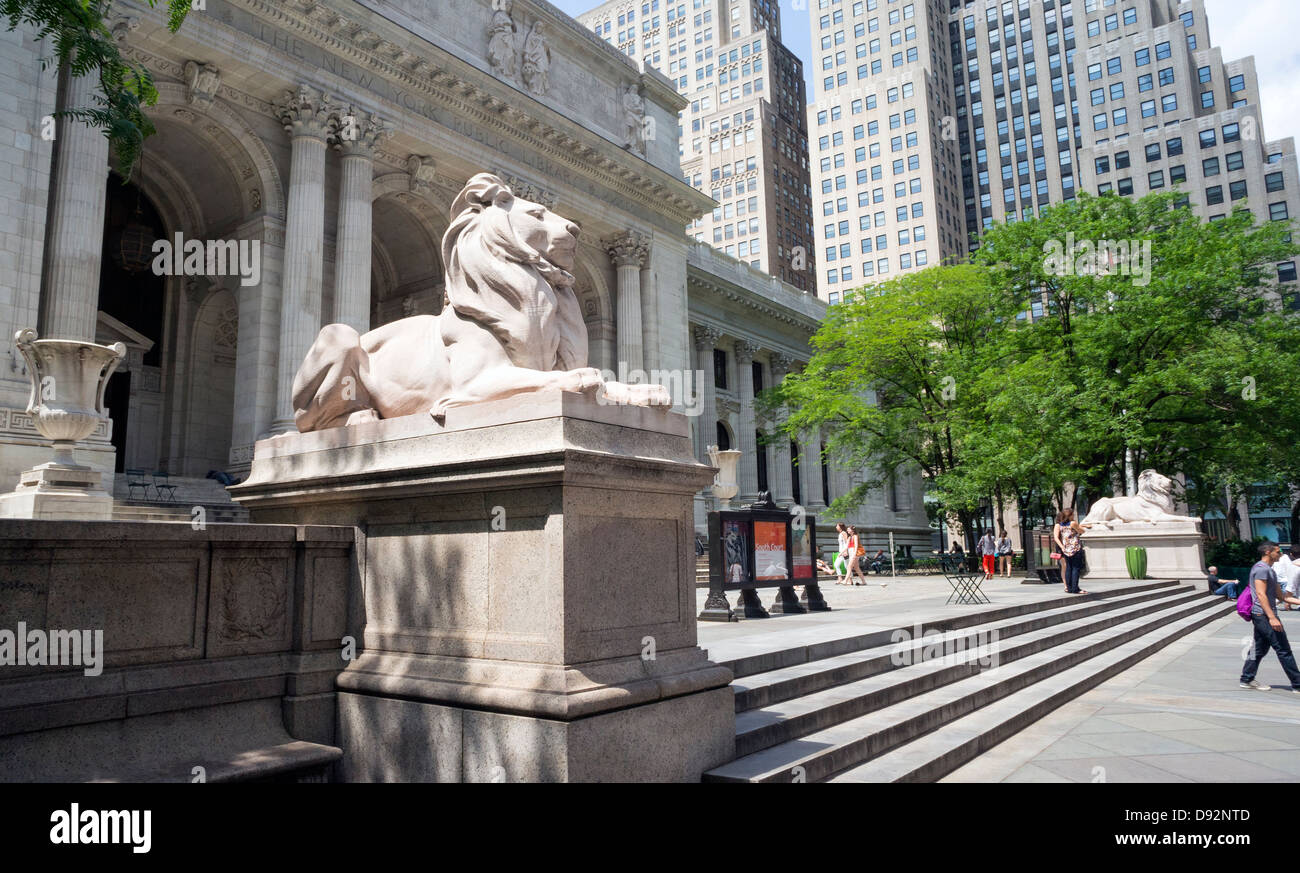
{"points": [[220, 649]]}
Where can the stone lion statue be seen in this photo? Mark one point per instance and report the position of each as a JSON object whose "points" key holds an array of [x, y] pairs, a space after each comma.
{"points": [[510, 325], [1154, 502]]}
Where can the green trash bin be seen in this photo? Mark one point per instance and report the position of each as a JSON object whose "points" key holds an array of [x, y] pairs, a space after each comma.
{"points": [[1135, 558]]}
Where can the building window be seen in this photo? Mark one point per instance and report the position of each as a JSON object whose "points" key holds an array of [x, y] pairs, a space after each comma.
{"points": [[1210, 167], [1273, 182], [1278, 212], [1286, 272], [1214, 194], [720, 369]]}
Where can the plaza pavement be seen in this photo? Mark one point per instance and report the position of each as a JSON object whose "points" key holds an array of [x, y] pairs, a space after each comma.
{"points": [[1177, 716]]}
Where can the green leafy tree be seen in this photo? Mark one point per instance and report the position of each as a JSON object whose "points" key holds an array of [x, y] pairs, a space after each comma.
{"points": [[896, 382], [83, 42], [1185, 361]]}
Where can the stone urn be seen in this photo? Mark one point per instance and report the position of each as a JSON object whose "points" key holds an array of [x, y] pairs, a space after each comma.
{"points": [[68, 382], [725, 485], [66, 405]]}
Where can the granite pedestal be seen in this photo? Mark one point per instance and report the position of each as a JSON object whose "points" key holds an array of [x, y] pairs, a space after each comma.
{"points": [[528, 572], [1173, 548]]}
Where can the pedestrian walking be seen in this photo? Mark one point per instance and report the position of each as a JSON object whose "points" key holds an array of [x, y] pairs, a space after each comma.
{"points": [[842, 555], [856, 553], [1005, 553], [1066, 536], [987, 549], [1269, 634]]}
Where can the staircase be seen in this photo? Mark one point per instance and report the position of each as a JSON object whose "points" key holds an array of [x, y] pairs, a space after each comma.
{"points": [[870, 709], [190, 492]]}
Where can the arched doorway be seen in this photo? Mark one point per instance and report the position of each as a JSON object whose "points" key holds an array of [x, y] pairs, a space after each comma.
{"points": [[131, 310], [406, 274]]}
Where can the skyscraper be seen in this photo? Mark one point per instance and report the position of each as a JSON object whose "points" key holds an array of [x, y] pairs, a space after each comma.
{"points": [[744, 138], [1030, 103]]}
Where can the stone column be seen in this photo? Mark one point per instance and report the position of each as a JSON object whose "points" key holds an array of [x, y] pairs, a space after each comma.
{"points": [[358, 133], [747, 445], [629, 252], [782, 481], [706, 338], [306, 116], [810, 471], [76, 234]]}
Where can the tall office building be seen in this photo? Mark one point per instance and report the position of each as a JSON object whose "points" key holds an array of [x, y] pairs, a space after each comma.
{"points": [[744, 137], [1027, 105]]}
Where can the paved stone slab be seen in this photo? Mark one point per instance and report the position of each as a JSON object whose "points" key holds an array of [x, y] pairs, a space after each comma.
{"points": [[1176, 716]]}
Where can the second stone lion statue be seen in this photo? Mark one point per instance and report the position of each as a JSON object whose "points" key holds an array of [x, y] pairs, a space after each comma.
{"points": [[511, 325], [1154, 502]]}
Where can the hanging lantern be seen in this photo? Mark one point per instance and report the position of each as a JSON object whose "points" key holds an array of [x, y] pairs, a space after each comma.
{"points": [[134, 248]]}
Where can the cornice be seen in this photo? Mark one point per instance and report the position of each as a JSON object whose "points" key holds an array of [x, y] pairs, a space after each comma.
{"points": [[725, 291], [448, 82]]}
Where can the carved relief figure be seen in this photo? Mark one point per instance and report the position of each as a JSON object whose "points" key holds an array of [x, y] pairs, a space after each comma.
{"points": [[501, 51], [634, 119], [537, 61], [511, 325]]}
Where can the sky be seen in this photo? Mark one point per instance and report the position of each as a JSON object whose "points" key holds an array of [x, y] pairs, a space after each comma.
{"points": [[1263, 28]]}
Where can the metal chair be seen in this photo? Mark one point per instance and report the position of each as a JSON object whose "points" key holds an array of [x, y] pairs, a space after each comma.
{"points": [[160, 485], [137, 479]]}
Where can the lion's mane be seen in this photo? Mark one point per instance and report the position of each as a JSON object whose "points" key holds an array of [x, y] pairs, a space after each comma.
{"points": [[492, 278]]}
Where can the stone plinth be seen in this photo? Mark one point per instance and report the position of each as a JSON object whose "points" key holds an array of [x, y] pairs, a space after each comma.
{"points": [[1173, 549], [529, 591], [57, 492]]}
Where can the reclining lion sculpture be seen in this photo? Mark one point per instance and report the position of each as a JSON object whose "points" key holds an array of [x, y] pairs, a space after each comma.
{"points": [[510, 325], [1154, 502]]}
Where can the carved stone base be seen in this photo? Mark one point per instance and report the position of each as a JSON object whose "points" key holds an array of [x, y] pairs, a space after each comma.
{"points": [[1173, 548], [58, 492], [529, 590]]}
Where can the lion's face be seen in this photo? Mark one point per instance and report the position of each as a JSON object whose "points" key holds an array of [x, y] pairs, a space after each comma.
{"points": [[543, 231]]}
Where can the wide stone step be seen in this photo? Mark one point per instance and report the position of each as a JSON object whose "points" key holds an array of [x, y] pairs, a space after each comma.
{"points": [[766, 726], [845, 743], [776, 686], [826, 642], [937, 754]]}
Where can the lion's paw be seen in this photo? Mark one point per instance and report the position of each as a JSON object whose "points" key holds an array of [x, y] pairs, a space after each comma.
{"points": [[636, 394]]}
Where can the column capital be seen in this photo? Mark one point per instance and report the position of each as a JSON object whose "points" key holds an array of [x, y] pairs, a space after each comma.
{"points": [[706, 337], [745, 352], [307, 112], [781, 364], [357, 132], [630, 249]]}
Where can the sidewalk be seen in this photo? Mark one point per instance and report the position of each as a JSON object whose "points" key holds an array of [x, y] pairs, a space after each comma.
{"points": [[1178, 716], [858, 609]]}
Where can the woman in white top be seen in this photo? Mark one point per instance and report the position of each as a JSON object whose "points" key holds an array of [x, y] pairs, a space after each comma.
{"points": [[842, 554]]}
